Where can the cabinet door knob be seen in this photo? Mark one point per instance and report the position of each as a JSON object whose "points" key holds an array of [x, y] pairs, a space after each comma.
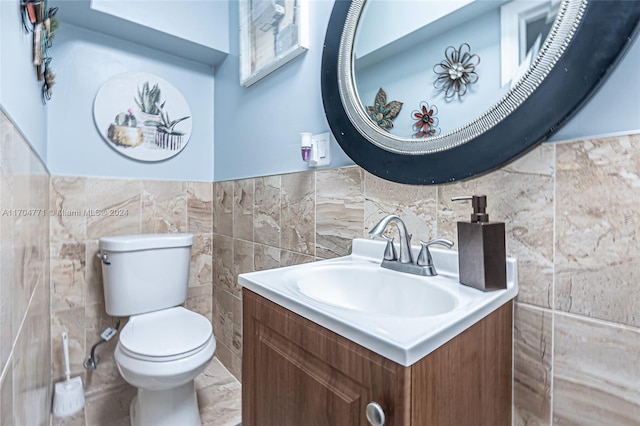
{"points": [[375, 414]]}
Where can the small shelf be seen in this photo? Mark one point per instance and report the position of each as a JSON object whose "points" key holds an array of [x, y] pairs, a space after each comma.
{"points": [[165, 35]]}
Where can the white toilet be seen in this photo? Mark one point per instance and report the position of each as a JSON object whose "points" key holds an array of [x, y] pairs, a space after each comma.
{"points": [[163, 346]]}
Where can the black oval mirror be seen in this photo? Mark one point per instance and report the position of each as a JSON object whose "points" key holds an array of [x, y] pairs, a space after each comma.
{"points": [[584, 41]]}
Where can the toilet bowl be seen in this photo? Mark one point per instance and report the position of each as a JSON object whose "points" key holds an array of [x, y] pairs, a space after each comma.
{"points": [[161, 353], [163, 347]]}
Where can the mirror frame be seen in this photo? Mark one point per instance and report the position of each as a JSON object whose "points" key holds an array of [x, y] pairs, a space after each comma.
{"points": [[537, 106]]}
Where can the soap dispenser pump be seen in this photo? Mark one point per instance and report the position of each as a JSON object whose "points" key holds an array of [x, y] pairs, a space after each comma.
{"points": [[482, 255]]}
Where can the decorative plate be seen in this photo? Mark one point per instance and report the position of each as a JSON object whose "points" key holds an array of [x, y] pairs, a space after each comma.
{"points": [[142, 116]]}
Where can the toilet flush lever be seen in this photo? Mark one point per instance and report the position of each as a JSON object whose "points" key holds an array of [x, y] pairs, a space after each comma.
{"points": [[104, 258]]}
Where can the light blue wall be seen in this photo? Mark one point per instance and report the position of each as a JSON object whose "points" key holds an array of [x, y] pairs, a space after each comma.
{"points": [[614, 108], [85, 60], [257, 128], [398, 19], [1, 50], [19, 88]]}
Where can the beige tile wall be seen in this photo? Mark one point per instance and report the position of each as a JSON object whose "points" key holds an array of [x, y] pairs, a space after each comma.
{"points": [[25, 340], [77, 299], [572, 214]]}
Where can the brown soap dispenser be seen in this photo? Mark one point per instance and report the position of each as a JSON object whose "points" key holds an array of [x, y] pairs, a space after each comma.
{"points": [[482, 255]]}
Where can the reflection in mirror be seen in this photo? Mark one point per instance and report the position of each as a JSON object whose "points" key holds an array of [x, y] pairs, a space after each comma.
{"points": [[420, 72]]}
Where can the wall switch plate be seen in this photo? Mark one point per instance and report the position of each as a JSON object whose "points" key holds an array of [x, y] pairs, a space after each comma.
{"points": [[320, 150]]}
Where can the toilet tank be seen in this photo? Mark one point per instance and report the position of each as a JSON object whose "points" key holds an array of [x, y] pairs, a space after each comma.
{"points": [[144, 273]]}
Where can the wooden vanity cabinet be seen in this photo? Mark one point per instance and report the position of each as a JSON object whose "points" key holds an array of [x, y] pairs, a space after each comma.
{"points": [[297, 373]]}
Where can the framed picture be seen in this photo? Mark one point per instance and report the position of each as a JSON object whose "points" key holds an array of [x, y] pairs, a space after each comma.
{"points": [[272, 32], [524, 26]]}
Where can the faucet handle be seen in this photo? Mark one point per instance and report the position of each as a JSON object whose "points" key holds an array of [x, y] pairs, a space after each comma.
{"points": [[442, 241], [424, 258], [390, 249]]}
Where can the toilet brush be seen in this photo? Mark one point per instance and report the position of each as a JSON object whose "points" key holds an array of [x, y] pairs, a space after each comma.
{"points": [[68, 397]]}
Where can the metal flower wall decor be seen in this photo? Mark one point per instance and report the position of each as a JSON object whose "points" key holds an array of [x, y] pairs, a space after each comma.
{"points": [[426, 124], [457, 71], [382, 113], [41, 20]]}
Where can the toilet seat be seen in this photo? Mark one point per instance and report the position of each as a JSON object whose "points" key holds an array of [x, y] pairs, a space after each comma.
{"points": [[165, 335]]}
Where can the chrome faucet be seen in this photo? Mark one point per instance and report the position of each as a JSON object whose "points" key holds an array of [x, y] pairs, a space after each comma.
{"points": [[405, 238], [405, 263]]}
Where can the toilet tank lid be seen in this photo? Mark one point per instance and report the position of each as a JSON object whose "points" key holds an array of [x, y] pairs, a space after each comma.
{"points": [[145, 242]]}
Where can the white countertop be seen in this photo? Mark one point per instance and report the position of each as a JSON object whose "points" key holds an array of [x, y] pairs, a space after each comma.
{"points": [[402, 339]]}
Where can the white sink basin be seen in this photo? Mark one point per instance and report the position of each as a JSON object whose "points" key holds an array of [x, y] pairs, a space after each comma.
{"points": [[400, 316], [366, 287]]}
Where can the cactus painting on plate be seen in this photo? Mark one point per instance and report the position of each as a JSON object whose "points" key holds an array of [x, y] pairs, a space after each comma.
{"points": [[148, 99], [166, 136], [124, 130], [142, 116]]}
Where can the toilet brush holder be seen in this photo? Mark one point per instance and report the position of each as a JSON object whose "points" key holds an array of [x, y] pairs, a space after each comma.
{"points": [[68, 397]]}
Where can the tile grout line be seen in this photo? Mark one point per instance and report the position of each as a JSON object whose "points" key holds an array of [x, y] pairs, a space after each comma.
{"points": [[19, 332], [315, 215], [597, 321], [553, 282], [186, 207], [280, 224], [50, 219], [364, 203], [253, 216]]}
